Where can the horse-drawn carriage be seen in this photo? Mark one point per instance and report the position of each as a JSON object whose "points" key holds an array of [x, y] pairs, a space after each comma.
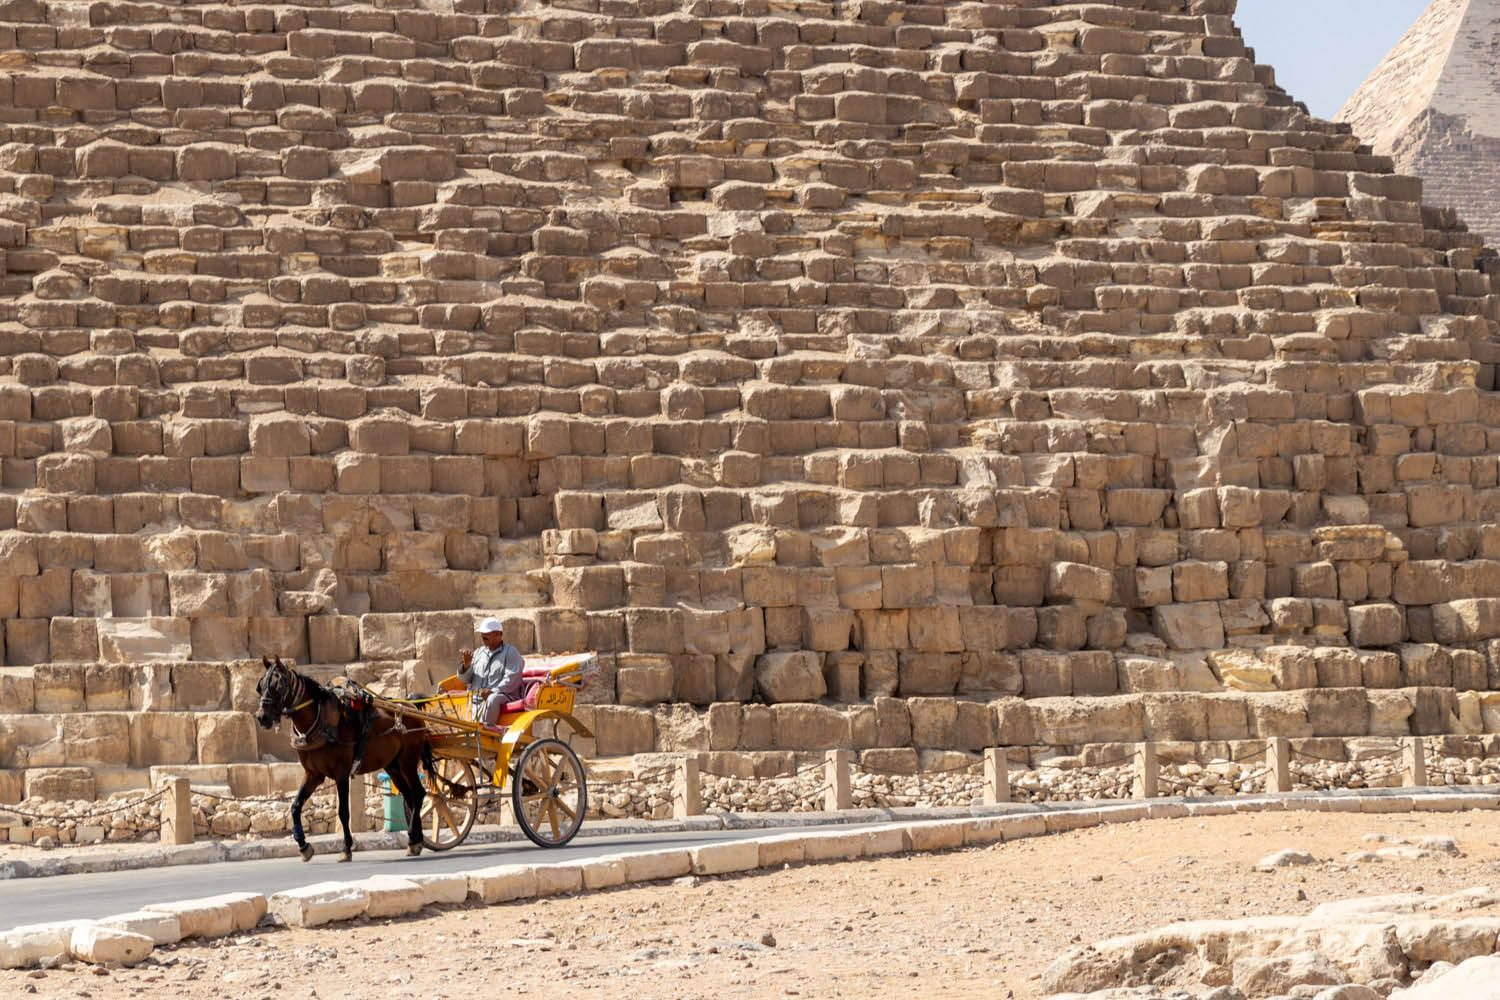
{"points": [[444, 763], [548, 792]]}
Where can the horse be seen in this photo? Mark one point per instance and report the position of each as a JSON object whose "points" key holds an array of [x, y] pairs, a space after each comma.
{"points": [[327, 736]]}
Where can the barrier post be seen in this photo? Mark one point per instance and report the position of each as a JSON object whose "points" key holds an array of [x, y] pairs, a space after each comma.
{"points": [[836, 767], [1279, 764], [177, 812], [1146, 769], [359, 822], [687, 790], [996, 776], [1414, 757]]}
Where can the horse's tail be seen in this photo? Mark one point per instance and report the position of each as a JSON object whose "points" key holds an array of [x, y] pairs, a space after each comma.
{"points": [[429, 764]]}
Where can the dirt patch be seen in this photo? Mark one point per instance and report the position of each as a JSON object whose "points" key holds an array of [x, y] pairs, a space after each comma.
{"points": [[978, 923]]}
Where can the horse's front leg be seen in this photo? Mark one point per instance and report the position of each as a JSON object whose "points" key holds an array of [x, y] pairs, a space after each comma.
{"points": [[309, 785], [342, 784]]}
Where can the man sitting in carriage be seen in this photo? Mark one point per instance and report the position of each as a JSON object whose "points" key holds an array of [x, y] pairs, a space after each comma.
{"points": [[493, 669]]}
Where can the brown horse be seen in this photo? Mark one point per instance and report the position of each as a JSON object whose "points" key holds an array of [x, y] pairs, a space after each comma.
{"points": [[326, 734]]}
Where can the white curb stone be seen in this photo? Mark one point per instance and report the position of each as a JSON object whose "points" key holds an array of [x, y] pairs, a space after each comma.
{"points": [[1166, 810], [203, 918], [984, 830], [97, 944], [24, 946], [1061, 822], [719, 859], [884, 840], [834, 845], [943, 835], [603, 873], [321, 903], [558, 880], [161, 928], [1017, 827], [392, 895], [503, 883], [788, 849], [443, 888], [1392, 804], [653, 865]]}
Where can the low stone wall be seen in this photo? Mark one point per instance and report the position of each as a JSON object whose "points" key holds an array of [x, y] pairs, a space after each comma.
{"points": [[642, 788]]}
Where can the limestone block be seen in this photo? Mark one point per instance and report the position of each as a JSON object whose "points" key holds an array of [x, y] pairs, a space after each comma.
{"points": [[644, 678], [827, 629], [1425, 665], [225, 737], [199, 595], [503, 883], [278, 435], [938, 835], [332, 638], [31, 944], [200, 687], [1278, 714], [649, 866], [161, 928], [210, 917], [1194, 581], [136, 640], [929, 673], [985, 673], [1373, 625], [30, 740], [620, 730], [558, 880], [387, 636], [1068, 581], [799, 726], [790, 676], [603, 872], [1121, 718], [58, 688], [392, 895], [162, 738], [1390, 713], [96, 738], [17, 690], [319, 903], [1466, 621], [1189, 626], [785, 849], [92, 942], [721, 859], [831, 845], [1045, 674], [73, 639]]}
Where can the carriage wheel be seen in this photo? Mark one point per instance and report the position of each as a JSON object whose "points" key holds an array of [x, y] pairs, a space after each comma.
{"points": [[548, 792], [448, 813]]}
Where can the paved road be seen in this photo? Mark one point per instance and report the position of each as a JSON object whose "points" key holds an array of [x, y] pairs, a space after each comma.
{"points": [[99, 894]]}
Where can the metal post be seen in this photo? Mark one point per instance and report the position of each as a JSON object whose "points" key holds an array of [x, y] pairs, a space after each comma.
{"points": [[1279, 764], [687, 790], [836, 767], [996, 776], [1146, 770], [177, 812], [1415, 758]]}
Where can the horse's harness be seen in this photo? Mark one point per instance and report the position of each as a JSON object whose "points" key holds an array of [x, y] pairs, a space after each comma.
{"points": [[324, 730]]}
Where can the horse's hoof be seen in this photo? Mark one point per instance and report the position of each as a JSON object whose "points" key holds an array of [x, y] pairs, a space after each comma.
{"points": [[346, 856], [412, 850], [306, 852]]}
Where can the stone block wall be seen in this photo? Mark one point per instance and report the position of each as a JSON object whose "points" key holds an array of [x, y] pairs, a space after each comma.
{"points": [[847, 374]]}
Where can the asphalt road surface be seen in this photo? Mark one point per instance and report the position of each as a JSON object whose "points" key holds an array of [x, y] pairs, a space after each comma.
{"points": [[100, 894]]}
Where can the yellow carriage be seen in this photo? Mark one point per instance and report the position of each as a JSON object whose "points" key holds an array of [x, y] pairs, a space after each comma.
{"points": [[545, 779]]}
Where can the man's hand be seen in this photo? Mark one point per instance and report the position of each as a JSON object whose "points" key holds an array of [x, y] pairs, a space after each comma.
{"points": [[467, 656]]}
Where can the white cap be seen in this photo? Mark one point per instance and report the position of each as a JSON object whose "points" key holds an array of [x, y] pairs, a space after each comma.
{"points": [[490, 625]]}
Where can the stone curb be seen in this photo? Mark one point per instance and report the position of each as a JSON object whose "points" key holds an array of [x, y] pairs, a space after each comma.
{"points": [[127, 938]]}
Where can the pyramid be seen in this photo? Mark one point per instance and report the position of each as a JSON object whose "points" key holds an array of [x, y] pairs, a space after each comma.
{"points": [[886, 376], [1433, 105]]}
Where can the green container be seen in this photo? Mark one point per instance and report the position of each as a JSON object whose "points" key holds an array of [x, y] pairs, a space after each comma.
{"points": [[395, 806]]}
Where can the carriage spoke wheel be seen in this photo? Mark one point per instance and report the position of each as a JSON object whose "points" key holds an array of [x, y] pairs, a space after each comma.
{"points": [[451, 805], [548, 792]]}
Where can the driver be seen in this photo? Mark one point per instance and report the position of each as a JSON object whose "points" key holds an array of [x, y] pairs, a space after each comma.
{"points": [[493, 669]]}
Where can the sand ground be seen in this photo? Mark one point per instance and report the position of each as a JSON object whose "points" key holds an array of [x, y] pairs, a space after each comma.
{"points": [[978, 923]]}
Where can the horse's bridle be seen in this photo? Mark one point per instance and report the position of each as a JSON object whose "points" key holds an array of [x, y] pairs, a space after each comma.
{"points": [[284, 692]]}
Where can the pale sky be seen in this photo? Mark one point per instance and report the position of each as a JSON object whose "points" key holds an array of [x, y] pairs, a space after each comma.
{"points": [[1324, 49]]}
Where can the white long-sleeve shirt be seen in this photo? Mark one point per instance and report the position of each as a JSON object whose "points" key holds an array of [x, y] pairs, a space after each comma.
{"points": [[499, 670]]}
